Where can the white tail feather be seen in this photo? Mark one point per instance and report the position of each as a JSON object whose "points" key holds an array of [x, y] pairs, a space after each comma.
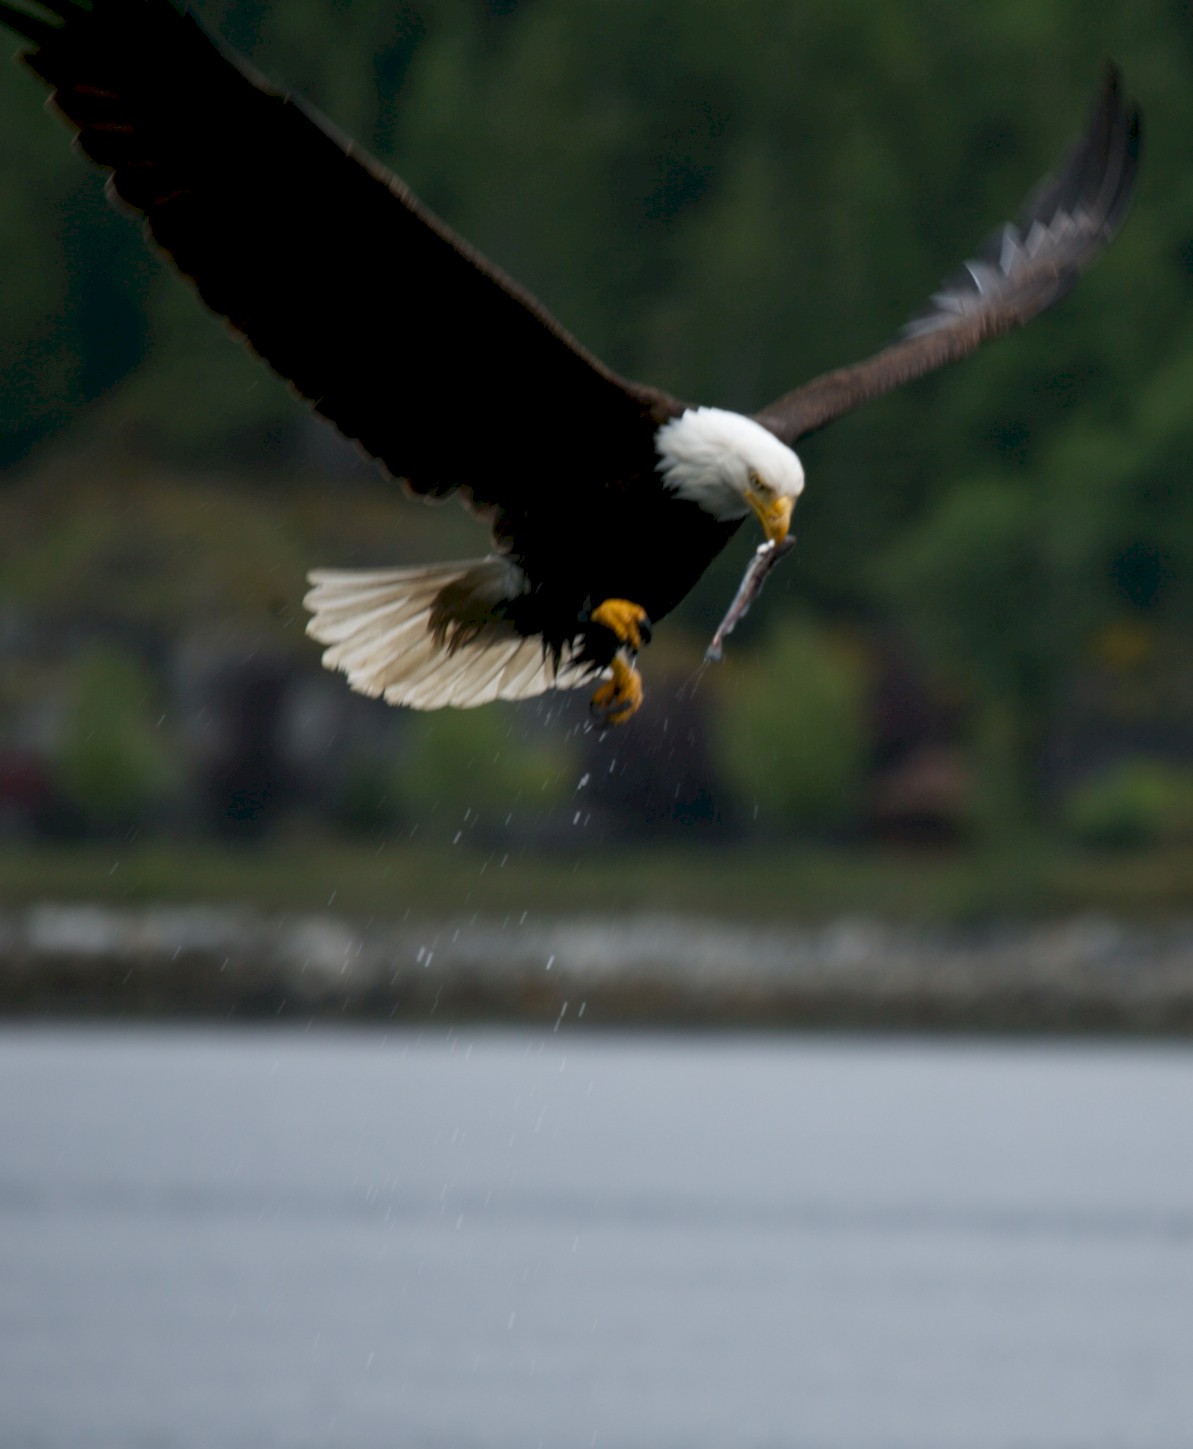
{"points": [[378, 626]]}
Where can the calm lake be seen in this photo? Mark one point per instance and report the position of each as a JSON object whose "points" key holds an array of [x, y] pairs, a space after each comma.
{"points": [[498, 1241]]}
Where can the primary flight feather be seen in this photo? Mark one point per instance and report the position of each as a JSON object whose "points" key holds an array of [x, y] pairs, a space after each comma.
{"points": [[607, 499]]}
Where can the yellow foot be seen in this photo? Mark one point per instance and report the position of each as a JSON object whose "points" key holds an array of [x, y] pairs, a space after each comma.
{"points": [[618, 698], [628, 621]]}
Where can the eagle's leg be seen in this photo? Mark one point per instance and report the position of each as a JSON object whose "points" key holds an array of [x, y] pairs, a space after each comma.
{"points": [[620, 697]]}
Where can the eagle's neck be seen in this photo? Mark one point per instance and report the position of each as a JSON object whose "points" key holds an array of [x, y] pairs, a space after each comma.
{"points": [[697, 463]]}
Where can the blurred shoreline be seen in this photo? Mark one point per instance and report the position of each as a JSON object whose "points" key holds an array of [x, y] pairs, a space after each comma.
{"points": [[1081, 974]]}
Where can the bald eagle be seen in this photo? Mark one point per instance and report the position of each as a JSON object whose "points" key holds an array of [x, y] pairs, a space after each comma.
{"points": [[457, 381]]}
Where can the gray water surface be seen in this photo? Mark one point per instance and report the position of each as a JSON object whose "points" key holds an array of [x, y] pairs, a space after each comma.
{"points": [[496, 1241]]}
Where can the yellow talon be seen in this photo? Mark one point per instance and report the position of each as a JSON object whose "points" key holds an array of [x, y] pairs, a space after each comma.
{"points": [[628, 621], [620, 697]]}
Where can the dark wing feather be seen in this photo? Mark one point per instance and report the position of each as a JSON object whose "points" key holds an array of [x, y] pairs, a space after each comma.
{"points": [[396, 330], [1021, 269]]}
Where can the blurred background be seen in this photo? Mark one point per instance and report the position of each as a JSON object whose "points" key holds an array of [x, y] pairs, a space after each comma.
{"points": [[942, 779], [980, 648]]}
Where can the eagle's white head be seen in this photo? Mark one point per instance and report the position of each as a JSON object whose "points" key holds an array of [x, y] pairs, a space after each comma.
{"points": [[730, 465]]}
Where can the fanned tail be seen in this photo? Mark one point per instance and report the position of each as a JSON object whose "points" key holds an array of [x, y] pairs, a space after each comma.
{"points": [[432, 635]]}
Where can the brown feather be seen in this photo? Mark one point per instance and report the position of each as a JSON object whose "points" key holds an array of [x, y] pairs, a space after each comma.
{"points": [[444, 369], [1019, 271], [396, 330]]}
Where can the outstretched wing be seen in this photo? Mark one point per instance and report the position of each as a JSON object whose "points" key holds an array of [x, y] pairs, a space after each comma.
{"points": [[394, 328], [1021, 269]]}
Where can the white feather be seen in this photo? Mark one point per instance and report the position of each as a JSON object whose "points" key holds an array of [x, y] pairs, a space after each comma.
{"points": [[377, 626]]}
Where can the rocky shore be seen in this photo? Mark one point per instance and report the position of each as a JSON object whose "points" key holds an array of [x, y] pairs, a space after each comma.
{"points": [[1085, 974]]}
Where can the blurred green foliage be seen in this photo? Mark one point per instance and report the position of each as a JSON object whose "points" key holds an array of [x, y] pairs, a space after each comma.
{"points": [[720, 196], [478, 763], [792, 731], [115, 768], [461, 773], [1137, 803]]}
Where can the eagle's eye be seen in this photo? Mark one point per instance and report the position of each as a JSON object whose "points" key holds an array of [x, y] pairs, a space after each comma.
{"points": [[759, 484]]}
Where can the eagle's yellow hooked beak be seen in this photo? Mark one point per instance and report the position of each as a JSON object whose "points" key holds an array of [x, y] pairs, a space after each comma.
{"points": [[774, 513]]}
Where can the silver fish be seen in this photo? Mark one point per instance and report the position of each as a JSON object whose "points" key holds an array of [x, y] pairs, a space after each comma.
{"points": [[766, 556]]}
